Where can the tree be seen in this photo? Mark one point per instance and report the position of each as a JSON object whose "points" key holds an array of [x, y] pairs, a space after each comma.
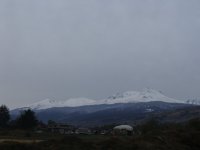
{"points": [[51, 123], [27, 120], [4, 116]]}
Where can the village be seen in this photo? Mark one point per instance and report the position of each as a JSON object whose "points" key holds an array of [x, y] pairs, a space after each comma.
{"points": [[65, 129]]}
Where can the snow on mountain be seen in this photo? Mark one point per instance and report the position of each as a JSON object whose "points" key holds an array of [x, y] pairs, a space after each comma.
{"points": [[45, 104], [146, 95], [79, 102], [193, 101]]}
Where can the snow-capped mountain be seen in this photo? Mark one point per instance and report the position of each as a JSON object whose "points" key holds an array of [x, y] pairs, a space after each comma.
{"points": [[132, 106], [146, 95]]}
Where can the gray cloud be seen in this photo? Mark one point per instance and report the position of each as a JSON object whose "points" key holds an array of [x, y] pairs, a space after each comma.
{"points": [[72, 48]]}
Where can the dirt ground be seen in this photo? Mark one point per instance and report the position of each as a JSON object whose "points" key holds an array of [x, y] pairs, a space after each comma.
{"points": [[20, 141]]}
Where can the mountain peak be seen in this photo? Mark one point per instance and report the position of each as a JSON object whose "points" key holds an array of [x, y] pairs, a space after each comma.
{"points": [[147, 92], [145, 95]]}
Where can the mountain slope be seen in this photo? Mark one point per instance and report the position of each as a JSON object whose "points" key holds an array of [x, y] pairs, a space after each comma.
{"points": [[94, 115]]}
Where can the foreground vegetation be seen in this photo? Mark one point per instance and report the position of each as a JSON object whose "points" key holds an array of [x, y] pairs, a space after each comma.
{"points": [[150, 136]]}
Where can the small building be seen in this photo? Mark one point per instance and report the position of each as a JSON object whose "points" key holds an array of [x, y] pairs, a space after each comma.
{"points": [[123, 130], [83, 131], [60, 128]]}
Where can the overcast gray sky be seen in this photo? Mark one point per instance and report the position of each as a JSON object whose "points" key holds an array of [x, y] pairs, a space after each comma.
{"points": [[59, 49]]}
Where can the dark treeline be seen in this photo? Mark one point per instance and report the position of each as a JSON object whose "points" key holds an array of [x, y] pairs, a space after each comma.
{"points": [[26, 120], [152, 136]]}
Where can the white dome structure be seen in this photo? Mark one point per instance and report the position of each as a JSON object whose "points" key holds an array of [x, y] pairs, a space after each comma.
{"points": [[123, 130], [124, 127]]}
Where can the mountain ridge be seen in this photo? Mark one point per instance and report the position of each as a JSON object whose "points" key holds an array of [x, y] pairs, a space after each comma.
{"points": [[146, 95], [131, 106]]}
